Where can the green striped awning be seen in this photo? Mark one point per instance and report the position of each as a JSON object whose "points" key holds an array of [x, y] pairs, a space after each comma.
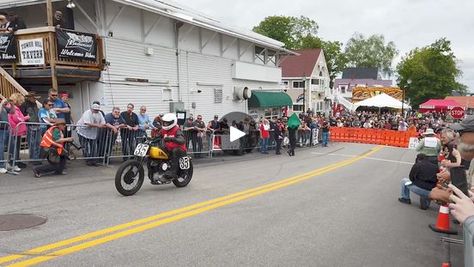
{"points": [[263, 99]]}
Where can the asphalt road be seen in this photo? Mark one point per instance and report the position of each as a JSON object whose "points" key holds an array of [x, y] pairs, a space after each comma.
{"points": [[334, 206]]}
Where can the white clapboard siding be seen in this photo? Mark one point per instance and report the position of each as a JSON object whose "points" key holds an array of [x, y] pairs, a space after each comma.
{"points": [[197, 72], [206, 73], [128, 60]]}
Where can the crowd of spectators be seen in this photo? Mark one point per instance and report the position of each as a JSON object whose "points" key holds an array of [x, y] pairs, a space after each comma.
{"points": [[102, 135], [20, 116], [392, 120], [443, 172], [11, 22]]}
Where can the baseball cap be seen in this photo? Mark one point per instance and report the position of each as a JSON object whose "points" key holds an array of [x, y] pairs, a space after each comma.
{"points": [[95, 106], [466, 125]]}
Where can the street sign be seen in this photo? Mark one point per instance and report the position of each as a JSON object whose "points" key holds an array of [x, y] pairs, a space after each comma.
{"points": [[457, 113]]}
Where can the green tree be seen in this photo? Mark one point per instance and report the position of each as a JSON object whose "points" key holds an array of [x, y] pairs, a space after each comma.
{"points": [[430, 72], [371, 52], [336, 60], [300, 33], [289, 30]]}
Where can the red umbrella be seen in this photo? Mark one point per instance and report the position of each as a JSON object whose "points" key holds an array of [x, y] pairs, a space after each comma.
{"points": [[438, 105]]}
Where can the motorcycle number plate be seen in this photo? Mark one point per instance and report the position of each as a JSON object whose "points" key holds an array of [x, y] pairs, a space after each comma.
{"points": [[141, 150], [184, 163]]}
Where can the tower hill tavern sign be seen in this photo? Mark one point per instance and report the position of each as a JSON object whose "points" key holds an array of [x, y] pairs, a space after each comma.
{"points": [[31, 52]]}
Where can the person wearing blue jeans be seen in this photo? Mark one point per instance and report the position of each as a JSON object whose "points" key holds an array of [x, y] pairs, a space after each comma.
{"points": [[407, 186], [325, 133], [421, 180], [265, 135]]}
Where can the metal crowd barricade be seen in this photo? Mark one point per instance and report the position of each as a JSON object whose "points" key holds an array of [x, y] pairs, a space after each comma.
{"points": [[93, 149], [26, 147], [24, 144], [199, 144], [4, 143], [121, 144]]}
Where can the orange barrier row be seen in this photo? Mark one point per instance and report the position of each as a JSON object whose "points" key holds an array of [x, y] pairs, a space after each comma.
{"points": [[371, 136]]}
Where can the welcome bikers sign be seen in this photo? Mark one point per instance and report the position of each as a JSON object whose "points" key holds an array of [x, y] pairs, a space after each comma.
{"points": [[76, 45], [8, 48]]}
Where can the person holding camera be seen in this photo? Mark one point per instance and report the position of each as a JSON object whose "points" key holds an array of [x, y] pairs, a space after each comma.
{"points": [[429, 145], [52, 145]]}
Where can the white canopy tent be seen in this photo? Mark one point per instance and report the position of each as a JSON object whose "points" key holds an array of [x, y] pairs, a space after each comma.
{"points": [[382, 101]]}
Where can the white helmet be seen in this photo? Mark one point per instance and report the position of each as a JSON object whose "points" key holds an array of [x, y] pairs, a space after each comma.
{"points": [[169, 121]]}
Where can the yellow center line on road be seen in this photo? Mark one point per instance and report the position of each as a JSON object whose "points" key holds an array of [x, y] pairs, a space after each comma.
{"points": [[134, 227], [40, 250]]}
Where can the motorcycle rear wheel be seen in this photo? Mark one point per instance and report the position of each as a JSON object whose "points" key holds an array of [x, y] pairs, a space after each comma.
{"points": [[126, 181]]}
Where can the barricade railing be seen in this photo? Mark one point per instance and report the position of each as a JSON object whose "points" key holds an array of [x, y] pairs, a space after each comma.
{"points": [[26, 137], [371, 136], [97, 145], [221, 142], [4, 143], [198, 144], [121, 143], [24, 142]]}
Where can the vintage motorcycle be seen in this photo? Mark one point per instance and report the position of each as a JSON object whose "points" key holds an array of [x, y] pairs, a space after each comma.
{"points": [[130, 175]]}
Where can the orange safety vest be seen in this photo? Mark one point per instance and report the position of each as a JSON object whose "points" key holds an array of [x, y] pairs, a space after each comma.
{"points": [[48, 141]]}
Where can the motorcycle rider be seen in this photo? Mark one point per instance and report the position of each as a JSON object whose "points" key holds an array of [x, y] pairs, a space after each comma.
{"points": [[174, 143]]}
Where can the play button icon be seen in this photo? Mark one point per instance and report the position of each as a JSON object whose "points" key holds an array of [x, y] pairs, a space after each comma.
{"points": [[235, 134], [238, 134]]}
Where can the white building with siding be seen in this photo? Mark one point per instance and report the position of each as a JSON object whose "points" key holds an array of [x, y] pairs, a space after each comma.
{"points": [[162, 55]]}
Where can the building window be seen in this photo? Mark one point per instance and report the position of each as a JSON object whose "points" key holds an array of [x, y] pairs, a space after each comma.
{"points": [[343, 89], [271, 57], [319, 106], [217, 96], [297, 107], [320, 74], [298, 84], [260, 54], [285, 83], [315, 81]]}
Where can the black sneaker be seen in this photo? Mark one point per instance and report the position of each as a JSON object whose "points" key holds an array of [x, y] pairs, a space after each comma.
{"points": [[21, 165], [404, 200], [423, 203], [36, 173]]}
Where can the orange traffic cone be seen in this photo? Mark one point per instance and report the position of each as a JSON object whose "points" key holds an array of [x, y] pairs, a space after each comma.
{"points": [[442, 223]]}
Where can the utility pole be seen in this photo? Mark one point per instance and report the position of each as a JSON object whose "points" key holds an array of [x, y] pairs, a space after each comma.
{"points": [[403, 96], [304, 93]]}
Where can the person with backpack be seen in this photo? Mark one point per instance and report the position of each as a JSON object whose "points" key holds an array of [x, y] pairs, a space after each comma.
{"points": [[293, 125]]}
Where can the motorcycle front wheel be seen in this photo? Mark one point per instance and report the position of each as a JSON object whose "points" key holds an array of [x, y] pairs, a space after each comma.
{"points": [[129, 177], [184, 177]]}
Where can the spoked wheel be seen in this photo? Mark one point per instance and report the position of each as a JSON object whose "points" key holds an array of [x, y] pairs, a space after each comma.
{"points": [[184, 177], [129, 177]]}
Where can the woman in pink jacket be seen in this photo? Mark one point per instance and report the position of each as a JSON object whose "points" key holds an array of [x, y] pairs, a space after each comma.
{"points": [[16, 120]]}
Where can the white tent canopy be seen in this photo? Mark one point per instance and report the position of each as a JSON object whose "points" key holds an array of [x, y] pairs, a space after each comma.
{"points": [[381, 101]]}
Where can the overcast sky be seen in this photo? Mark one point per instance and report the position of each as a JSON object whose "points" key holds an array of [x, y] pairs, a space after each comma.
{"points": [[409, 23]]}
